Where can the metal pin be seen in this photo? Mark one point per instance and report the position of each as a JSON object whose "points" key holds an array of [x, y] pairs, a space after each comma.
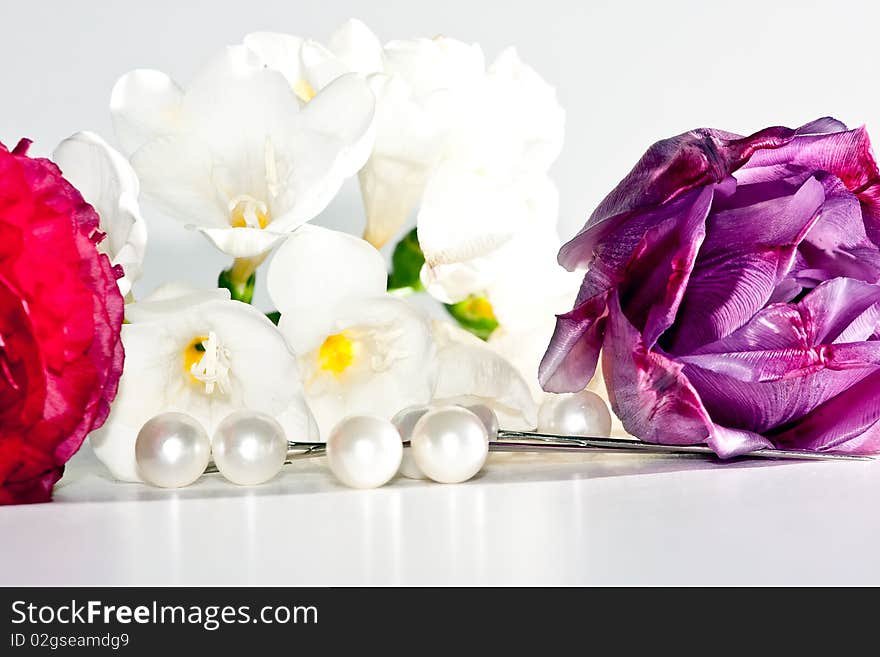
{"points": [[295, 452], [530, 441]]}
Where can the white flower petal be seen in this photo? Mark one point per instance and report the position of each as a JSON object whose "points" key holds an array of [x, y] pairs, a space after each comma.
{"points": [[177, 174], [345, 111], [523, 295], [144, 104], [280, 52], [312, 168], [530, 112], [468, 213], [242, 242], [317, 269], [262, 364], [457, 281], [263, 377], [411, 128], [178, 290], [523, 348], [241, 138], [468, 370], [410, 139], [107, 181], [393, 367], [321, 66], [357, 47], [236, 102], [145, 376], [438, 63], [390, 188], [170, 298]]}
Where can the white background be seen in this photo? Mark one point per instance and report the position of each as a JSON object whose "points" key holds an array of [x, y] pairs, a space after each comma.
{"points": [[628, 73]]}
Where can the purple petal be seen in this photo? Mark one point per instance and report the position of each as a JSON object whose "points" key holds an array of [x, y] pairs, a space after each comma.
{"points": [[842, 310], [825, 125], [846, 155], [747, 252], [837, 245], [674, 166], [763, 389], [667, 170], [573, 353], [661, 265], [648, 391], [728, 443], [655, 253], [790, 358], [845, 423]]}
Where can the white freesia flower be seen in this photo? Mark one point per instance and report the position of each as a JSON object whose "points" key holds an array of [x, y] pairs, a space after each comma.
{"points": [[468, 217], [471, 372], [523, 289], [309, 65], [242, 154], [483, 136], [107, 182], [360, 349], [438, 104], [202, 354], [520, 286]]}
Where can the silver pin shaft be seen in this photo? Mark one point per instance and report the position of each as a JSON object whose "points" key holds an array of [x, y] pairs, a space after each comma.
{"points": [[530, 441]]}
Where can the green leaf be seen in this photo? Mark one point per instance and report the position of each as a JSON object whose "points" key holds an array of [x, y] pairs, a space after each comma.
{"points": [[406, 264], [474, 314], [240, 291], [274, 316]]}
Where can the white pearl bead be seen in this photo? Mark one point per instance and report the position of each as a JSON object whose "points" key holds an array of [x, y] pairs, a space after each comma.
{"points": [[172, 450], [580, 414], [249, 447], [487, 416], [450, 444], [405, 420], [364, 451]]}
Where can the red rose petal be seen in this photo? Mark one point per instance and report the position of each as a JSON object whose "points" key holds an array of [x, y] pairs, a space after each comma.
{"points": [[60, 349]]}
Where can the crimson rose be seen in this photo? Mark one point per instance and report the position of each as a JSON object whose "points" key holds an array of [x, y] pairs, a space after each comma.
{"points": [[60, 319]]}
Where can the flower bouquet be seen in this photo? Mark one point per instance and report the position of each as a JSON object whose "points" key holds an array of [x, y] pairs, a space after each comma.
{"points": [[729, 284]]}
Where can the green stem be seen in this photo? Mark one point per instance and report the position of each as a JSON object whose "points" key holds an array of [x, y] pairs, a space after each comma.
{"points": [[241, 278]]}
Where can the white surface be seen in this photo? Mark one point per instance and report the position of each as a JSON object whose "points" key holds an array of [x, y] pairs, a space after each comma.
{"points": [[628, 73], [526, 520]]}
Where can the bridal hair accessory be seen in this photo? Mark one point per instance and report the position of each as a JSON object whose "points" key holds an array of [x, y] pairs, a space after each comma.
{"points": [[447, 444]]}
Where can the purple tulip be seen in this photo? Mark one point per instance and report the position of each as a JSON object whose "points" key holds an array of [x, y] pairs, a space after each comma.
{"points": [[732, 287]]}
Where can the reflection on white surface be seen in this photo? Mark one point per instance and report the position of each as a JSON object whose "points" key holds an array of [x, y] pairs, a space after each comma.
{"points": [[524, 520]]}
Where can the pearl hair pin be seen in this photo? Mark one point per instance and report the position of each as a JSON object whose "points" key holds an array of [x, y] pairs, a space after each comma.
{"points": [[448, 444]]}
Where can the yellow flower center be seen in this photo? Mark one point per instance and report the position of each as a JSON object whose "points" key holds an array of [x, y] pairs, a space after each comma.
{"points": [[303, 90], [206, 363], [247, 212], [336, 353], [480, 308], [192, 354]]}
